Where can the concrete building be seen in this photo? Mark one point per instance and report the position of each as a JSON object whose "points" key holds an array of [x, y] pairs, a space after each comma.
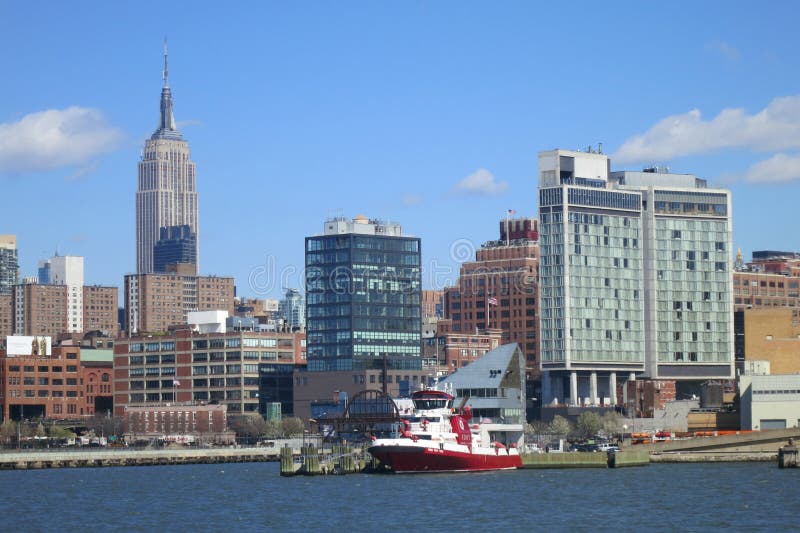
{"points": [[167, 186], [9, 264], [189, 367], [175, 245], [154, 302], [635, 277], [498, 290], [769, 402]]}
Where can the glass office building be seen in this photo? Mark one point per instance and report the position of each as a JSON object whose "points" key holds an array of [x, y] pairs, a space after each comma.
{"points": [[363, 297]]}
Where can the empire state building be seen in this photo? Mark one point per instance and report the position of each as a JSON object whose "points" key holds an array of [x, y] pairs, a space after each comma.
{"points": [[166, 199]]}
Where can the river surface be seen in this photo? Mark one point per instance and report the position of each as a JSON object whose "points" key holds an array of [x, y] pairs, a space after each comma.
{"points": [[253, 497]]}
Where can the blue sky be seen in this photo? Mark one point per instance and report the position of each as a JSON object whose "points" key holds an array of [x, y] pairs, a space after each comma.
{"points": [[430, 114]]}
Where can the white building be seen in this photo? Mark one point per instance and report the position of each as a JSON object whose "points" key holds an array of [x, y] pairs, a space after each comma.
{"points": [[635, 277], [769, 402], [68, 270]]}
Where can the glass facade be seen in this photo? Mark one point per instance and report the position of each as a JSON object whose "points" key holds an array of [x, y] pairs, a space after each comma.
{"points": [[363, 302], [692, 278], [591, 278]]}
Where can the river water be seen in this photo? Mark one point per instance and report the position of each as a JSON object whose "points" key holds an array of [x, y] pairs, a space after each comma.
{"points": [[253, 497]]}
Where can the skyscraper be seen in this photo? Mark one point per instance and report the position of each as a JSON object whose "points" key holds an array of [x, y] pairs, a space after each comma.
{"points": [[634, 277], [167, 192], [176, 245], [363, 297], [9, 263]]}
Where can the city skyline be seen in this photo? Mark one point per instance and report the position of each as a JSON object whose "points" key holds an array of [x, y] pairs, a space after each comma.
{"points": [[427, 115]]}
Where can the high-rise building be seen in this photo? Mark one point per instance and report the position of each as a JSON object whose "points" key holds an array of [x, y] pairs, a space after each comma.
{"points": [[363, 296], [293, 309], [68, 270], [635, 277], [154, 302], [167, 190], [176, 245], [498, 290], [9, 263], [50, 309]]}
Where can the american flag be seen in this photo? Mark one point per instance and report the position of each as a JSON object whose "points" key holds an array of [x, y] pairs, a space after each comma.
{"points": [[511, 212], [492, 300]]}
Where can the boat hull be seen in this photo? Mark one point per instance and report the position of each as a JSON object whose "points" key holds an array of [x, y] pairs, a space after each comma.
{"points": [[410, 459]]}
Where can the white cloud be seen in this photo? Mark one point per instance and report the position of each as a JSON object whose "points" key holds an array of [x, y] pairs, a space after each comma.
{"points": [[481, 182], [779, 168], [55, 138], [727, 50], [776, 127]]}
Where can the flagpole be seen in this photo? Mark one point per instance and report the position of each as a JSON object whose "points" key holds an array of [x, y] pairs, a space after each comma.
{"points": [[507, 236]]}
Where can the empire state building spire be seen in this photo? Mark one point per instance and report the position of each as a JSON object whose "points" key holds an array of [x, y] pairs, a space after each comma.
{"points": [[166, 125], [166, 198]]}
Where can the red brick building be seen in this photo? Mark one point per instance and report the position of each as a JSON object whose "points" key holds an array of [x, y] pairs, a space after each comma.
{"points": [[207, 422], [452, 351], [189, 367], [499, 290], [49, 385]]}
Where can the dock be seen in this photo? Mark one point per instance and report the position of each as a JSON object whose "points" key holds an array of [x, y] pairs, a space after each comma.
{"points": [[313, 461]]}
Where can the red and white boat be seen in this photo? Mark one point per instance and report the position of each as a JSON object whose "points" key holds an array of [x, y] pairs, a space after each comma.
{"points": [[435, 438]]}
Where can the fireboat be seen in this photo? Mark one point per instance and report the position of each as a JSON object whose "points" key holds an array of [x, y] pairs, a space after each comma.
{"points": [[438, 438]]}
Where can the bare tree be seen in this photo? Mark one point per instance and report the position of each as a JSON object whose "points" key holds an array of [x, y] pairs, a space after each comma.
{"points": [[8, 432], [560, 426], [292, 426]]}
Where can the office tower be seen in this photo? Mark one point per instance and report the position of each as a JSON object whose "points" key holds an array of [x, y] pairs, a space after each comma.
{"points": [[43, 272], [9, 263], [293, 309], [167, 190], [634, 277], [363, 297], [176, 244]]}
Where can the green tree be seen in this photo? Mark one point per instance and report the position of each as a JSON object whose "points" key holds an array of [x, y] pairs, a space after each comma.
{"points": [[588, 424], [560, 426]]}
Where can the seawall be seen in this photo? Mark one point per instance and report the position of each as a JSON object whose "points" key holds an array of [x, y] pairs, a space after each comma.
{"points": [[13, 460]]}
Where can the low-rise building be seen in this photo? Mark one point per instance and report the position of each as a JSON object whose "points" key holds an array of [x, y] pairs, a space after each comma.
{"points": [[40, 381], [769, 402], [189, 367], [178, 423]]}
